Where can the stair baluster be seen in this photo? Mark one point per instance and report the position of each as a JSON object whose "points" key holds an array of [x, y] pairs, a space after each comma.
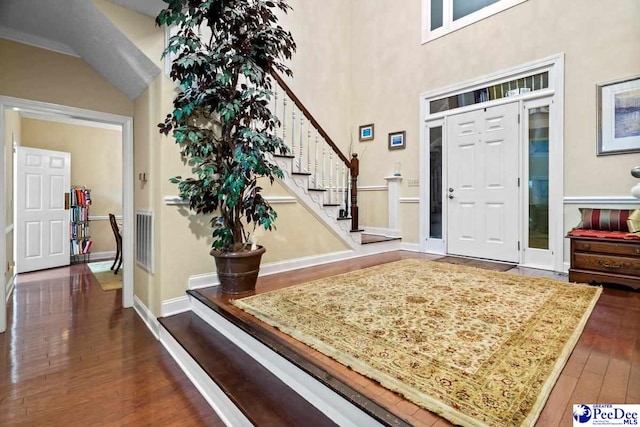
{"points": [[340, 189]]}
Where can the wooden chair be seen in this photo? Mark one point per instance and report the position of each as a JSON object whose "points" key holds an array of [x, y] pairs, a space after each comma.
{"points": [[118, 236]]}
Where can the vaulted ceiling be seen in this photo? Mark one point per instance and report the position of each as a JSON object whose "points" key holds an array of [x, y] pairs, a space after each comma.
{"points": [[77, 27]]}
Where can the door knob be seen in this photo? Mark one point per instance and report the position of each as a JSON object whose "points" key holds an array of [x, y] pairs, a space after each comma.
{"points": [[450, 190], [451, 196]]}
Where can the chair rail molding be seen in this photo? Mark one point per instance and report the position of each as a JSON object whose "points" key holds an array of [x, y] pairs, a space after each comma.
{"points": [[601, 200]]}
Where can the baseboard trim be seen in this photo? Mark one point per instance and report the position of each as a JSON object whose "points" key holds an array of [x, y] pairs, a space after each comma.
{"points": [[211, 279], [175, 306], [102, 256], [601, 200], [411, 247], [326, 400], [147, 316], [217, 399]]}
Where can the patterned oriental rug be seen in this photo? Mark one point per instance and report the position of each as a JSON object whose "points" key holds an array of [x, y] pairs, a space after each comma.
{"points": [[478, 347]]}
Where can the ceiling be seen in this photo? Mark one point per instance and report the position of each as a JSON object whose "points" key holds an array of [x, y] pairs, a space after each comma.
{"points": [[77, 27]]}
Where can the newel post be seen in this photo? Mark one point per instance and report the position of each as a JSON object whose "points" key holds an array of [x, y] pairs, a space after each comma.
{"points": [[355, 171]]}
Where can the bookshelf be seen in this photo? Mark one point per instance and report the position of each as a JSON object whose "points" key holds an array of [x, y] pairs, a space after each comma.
{"points": [[80, 201]]}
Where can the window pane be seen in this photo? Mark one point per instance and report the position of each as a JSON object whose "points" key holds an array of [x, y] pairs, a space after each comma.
{"points": [[539, 178], [465, 7], [435, 183], [436, 14]]}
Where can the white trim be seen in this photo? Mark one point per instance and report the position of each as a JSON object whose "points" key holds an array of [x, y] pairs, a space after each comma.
{"points": [[274, 200], [409, 199], [411, 247], [449, 25], [9, 288], [373, 188], [555, 66], [200, 281], [147, 316], [126, 123], [40, 42], [334, 406], [8, 229], [25, 114], [601, 200], [103, 217], [211, 279], [175, 201], [379, 231], [174, 306], [104, 255], [217, 399]]}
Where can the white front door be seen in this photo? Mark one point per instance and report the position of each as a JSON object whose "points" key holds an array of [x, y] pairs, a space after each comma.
{"points": [[42, 178], [482, 183]]}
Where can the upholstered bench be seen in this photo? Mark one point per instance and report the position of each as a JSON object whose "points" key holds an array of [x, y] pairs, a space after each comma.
{"points": [[603, 250]]}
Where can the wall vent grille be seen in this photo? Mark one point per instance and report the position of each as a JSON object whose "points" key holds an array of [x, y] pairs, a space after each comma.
{"points": [[144, 240]]}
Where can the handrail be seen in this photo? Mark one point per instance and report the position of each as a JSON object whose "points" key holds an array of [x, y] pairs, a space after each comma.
{"points": [[353, 165], [313, 121]]}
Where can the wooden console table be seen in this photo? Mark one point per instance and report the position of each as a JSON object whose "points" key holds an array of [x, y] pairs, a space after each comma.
{"points": [[605, 260]]}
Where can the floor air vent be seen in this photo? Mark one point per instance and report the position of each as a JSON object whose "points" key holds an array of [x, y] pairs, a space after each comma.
{"points": [[144, 240]]}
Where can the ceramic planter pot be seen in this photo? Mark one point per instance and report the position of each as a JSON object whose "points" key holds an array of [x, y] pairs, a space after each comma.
{"points": [[238, 271]]}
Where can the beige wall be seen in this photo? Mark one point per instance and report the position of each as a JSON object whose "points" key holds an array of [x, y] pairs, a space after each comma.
{"points": [[12, 132], [37, 74], [96, 163], [321, 30], [390, 68]]}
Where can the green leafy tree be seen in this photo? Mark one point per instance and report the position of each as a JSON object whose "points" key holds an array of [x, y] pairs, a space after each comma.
{"points": [[221, 118]]}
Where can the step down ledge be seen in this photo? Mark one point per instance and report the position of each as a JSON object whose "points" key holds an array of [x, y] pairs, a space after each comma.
{"points": [[217, 399], [334, 406]]}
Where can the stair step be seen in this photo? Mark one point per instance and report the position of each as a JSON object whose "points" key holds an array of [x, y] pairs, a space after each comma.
{"points": [[260, 395], [330, 204], [375, 238], [301, 173], [284, 156], [344, 219], [316, 189]]}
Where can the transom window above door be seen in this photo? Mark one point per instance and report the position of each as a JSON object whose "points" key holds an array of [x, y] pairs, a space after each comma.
{"points": [[440, 17]]}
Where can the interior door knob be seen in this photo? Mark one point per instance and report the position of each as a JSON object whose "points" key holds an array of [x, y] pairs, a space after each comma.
{"points": [[450, 190], [451, 196]]}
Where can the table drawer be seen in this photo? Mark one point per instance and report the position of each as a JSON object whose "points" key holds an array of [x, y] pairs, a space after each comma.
{"points": [[631, 249], [605, 263]]}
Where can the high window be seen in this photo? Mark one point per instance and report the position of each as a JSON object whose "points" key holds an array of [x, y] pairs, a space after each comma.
{"points": [[440, 17]]}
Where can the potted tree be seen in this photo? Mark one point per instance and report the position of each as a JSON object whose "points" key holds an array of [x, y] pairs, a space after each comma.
{"points": [[225, 52]]}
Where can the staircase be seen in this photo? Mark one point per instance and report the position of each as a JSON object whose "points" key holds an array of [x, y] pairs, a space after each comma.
{"points": [[321, 177]]}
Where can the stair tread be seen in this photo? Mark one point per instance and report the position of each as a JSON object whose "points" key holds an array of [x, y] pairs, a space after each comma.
{"points": [[367, 239], [301, 173], [284, 156], [316, 189], [330, 204], [260, 395]]}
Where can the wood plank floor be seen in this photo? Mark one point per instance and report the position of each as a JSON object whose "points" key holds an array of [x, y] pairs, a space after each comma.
{"points": [[603, 368], [72, 356]]}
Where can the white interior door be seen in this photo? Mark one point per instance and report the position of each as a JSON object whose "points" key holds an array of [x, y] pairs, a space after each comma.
{"points": [[42, 178], [482, 183]]}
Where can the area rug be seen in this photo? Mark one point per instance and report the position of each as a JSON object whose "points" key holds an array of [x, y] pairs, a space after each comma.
{"points": [[470, 262], [480, 348], [104, 275]]}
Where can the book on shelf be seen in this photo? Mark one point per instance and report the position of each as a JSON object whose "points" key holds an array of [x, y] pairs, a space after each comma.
{"points": [[80, 200]]}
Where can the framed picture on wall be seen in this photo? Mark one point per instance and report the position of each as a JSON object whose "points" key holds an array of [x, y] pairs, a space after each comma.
{"points": [[619, 117], [397, 140], [366, 132]]}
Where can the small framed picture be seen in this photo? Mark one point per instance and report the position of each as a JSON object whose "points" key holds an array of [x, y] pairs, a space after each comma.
{"points": [[619, 117], [366, 132], [396, 140]]}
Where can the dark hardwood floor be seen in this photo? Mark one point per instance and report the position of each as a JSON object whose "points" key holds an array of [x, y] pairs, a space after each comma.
{"points": [[72, 356], [603, 368]]}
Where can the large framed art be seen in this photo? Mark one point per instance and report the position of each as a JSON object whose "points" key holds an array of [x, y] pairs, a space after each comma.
{"points": [[619, 117]]}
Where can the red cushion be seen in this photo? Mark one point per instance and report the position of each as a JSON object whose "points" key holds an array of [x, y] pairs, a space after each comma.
{"points": [[578, 232]]}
